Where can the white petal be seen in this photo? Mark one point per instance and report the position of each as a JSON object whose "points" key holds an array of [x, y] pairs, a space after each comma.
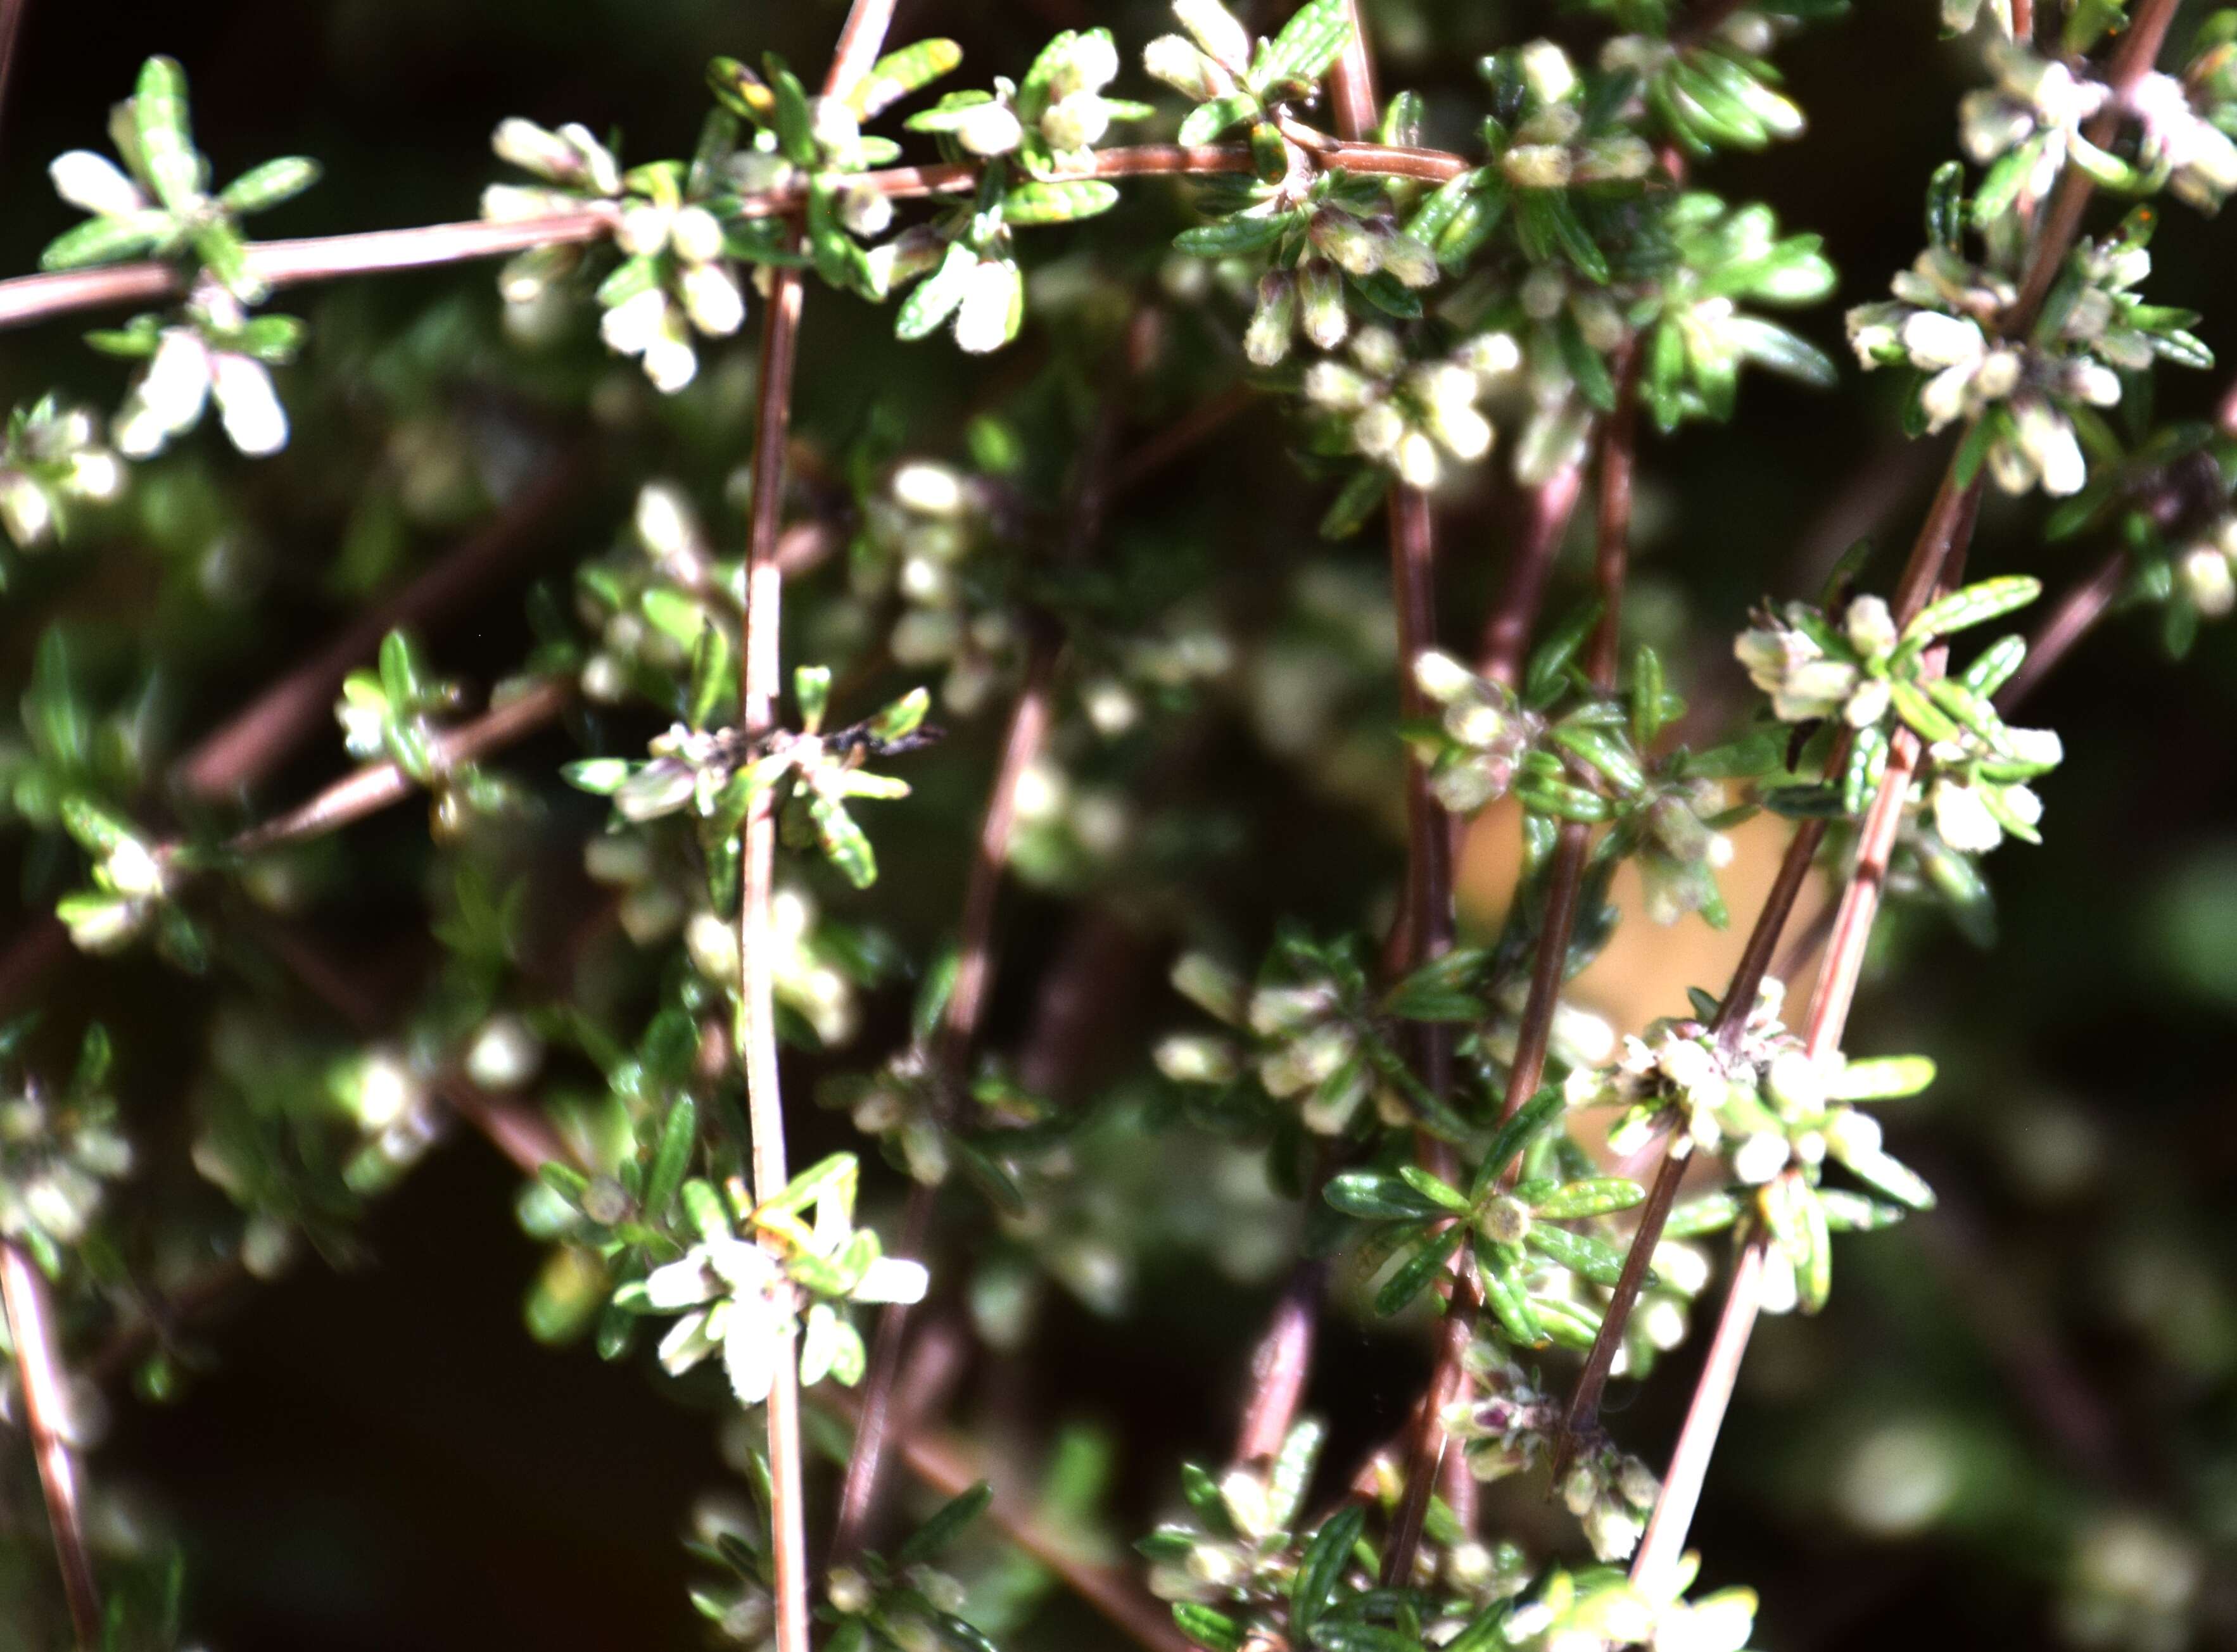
{"points": [[685, 1345], [680, 1285], [893, 1279], [749, 1354], [254, 418], [93, 183]]}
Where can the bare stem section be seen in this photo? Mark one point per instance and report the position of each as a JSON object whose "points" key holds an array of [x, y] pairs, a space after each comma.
{"points": [[27, 298], [46, 1388], [756, 1021]]}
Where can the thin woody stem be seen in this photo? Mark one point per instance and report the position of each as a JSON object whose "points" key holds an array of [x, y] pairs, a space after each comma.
{"points": [[1351, 80], [1565, 884], [2062, 221], [1280, 1367], [2073, 619], [256, 739], [46, 1387], [27, 298], [756, 1019], [375, 787], [861, 38], [11, 24], [1028, 733], [1514, 614], [1114, 1596]]}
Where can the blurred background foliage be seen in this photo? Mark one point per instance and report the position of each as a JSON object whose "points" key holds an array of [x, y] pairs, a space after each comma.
{"points": [[376, 1456]]}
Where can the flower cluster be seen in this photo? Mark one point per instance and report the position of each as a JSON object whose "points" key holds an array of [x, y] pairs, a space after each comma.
{"points": [[1776, 1116], [2189, 122], [215, 351], [1874, 677], [57, 1148], [715, 772], [1215, 65], [927, 537], [395, 714], [160, 205], [677, 274], [1510, 1423], [1054, 121], [1410, 417], [1489, 731], [742, 1287], [52, 459], [2026, 126]]}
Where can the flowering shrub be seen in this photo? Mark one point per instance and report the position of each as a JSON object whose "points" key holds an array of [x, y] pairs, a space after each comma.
{"points": [[1134, 714]]}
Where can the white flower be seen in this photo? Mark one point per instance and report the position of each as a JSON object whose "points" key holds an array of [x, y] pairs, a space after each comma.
{"points": [[1936, 340], [1181, 66]]}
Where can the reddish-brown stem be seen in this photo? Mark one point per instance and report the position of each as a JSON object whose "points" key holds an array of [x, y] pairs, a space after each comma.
{"points": [[756, 1020], [1426, 933], [1514, 613], [1581, 1420], [1565, 881], [1351, 82], [46, 1399], [519, 1132], [1182, 436], [946, 1472], [1281, 1366], [861, 38], [1665, 1537], [11, 23], [2071, 620], [27, 299], [256, 739], [1021, 744], [375, 787], [2062, 220]]}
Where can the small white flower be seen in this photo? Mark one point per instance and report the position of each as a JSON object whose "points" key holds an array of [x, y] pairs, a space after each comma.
{"points": [[1962, 820], [987, 319], [1224, 39], [249, 405], [990, 129]]}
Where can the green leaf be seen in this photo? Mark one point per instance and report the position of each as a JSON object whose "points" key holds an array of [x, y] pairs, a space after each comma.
{"points": [[104, 241], [1499, 1271], [1414, 1274], [1307, 47], [269, 184], [1237, 233], [1514, 1135], [901, 718], [1975, 605], [1594, 1196], [1344, 1635], [1374, 1196], [1209, 121], [159, 127], [1945, 207], [1432, 1188], [714, 675], [944, 1525], [1032, 204], [1711, 1213], [794, 126], [935, 297], [1320, 1570], [1361, 498], [955, 1632], [1292, 1473], [1587, 1258], [811, 691], [1207, 1628], [899, 74], [671, 1158], [1548, 669]]}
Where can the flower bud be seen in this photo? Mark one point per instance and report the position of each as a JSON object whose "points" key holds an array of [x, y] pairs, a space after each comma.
{"points": [[990, 129]]}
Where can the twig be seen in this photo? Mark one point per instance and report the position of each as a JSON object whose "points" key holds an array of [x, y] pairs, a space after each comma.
{"points": [[39, 1364], [944, 1469], [373, 788], [27, 298], [1281, 1364], [1514, 613], [1351, 80], [1665, 1537], [1027, 734], [756, 1020], [861, 37], [11, 23], [1181, 435], [2069, 623], [522, 1133], [2062, 221], [256, 739]]}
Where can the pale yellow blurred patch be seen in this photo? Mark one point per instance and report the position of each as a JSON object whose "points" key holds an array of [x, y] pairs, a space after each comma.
{"points": [[1647, 966]]}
